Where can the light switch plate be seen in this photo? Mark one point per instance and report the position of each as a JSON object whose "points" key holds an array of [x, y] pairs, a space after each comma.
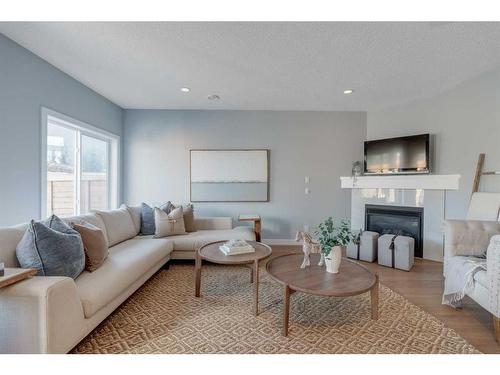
{"points": [[306, 179]]}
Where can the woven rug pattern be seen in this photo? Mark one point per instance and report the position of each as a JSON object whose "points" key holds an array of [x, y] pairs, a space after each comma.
{"points": [[163, 316]]}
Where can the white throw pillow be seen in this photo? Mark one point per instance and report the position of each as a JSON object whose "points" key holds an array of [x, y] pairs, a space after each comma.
{"points": [[119, 225], [169, 224], [135, 215]]}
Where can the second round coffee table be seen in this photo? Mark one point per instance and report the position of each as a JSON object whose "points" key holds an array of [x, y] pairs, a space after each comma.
{"points": [[352, 279], [211, 253]]}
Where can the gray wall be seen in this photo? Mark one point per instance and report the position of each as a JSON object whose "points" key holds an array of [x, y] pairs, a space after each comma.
{"points": [[27, 83], [465, 122], [321, 145]]}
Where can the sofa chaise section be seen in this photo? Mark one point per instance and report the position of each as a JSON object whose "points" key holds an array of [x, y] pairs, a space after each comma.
{"points": [[126, 263]]}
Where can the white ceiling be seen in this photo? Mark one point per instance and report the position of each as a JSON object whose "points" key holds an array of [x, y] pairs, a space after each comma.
{"points": [[264, 66]]}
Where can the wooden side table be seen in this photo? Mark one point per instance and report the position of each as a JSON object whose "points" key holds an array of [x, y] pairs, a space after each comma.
{"points": [[257, 224], [211, 253], [14, 275]]}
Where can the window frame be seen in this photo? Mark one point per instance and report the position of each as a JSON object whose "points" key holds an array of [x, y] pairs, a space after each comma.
{"points": [[113, 153]]}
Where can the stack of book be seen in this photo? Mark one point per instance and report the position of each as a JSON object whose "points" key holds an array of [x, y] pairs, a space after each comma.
{"points": [[236, 247]]}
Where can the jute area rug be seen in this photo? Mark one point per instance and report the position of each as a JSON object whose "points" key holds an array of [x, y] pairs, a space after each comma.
{"points": [[163, 316]]}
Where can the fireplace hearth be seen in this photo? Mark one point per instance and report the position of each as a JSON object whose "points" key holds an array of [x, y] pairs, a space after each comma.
{"points": [[397, 220]]}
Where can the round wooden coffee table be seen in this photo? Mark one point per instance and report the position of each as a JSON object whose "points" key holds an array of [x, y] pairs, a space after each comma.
{"points": [[352, 279], [211, 253]]}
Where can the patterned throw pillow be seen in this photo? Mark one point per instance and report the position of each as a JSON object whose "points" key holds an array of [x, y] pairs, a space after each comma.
{"points": [[169, 224], [148, 217], [53, 248]]}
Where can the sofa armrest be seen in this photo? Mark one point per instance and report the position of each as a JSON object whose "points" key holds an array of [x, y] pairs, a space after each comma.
{"points": [[207, 223], [40, 315], [493, 273]]}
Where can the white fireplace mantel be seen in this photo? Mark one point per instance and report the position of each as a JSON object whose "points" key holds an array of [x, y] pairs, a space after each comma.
{"points": [[429, 181]]}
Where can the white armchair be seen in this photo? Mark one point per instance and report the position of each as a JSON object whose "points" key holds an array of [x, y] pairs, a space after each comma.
{"points": [[471, 238], [493, 270]]}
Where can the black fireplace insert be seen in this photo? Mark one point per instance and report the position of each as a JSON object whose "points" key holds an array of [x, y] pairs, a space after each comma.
{"points": [[397, 220]]}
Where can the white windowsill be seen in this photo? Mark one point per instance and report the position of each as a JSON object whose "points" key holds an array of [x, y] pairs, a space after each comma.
{"points": [[430, 181]]}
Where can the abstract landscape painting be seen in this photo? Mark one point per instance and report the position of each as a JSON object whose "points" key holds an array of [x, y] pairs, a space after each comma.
{"points": [[229, 175]]}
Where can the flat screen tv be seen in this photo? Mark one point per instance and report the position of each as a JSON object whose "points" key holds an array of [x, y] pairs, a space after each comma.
{"points": [[402, 155]]}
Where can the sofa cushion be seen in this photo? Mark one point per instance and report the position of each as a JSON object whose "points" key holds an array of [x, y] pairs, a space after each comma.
{"points": [[171, 224], [135, 214], [125, 264], [468, 237], [189, 223], [119, 225], [91, 218], [206, 223], [193, 241], [52, 248], [95, 244]]}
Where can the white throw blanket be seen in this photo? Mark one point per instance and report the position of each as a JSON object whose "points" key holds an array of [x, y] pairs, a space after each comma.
{"points": [[460, 278]]}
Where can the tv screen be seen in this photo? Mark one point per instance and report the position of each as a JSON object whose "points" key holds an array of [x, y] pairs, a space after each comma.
{"points": [[398, 155]]}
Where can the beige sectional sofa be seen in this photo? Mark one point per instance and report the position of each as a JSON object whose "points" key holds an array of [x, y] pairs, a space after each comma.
{"points": [[52, 314]]}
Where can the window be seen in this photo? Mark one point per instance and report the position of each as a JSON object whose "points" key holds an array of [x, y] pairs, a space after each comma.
{"points": [[80, 167]]}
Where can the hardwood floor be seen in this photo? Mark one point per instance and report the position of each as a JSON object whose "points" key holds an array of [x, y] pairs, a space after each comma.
{"points": [[423, 286]]}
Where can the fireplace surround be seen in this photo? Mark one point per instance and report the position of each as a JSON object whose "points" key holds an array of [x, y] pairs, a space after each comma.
{"points": [[397, 220]]}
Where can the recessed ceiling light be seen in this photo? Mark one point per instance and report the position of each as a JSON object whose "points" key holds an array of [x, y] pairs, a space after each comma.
{"points": [[348, 91], [185, 89], [213, 97]]}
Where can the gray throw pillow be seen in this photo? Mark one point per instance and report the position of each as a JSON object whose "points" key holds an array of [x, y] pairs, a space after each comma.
{"points": [[53, 248], [148, 217]]}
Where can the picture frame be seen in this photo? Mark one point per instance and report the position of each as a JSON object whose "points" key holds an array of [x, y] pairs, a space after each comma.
{"points": [[229, 175]]}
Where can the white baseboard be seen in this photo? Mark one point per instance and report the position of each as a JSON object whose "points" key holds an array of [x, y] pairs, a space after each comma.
{"points": [[280, 241]]}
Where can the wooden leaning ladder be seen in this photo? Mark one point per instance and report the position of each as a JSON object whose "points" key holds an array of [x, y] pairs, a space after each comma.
{"points": [[479, 173]]}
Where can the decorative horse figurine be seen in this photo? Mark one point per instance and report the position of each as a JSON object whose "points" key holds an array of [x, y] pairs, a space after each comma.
{"points": [[309, 247]]}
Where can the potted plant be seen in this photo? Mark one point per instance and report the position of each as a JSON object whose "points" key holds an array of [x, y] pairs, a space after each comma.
{"points": [[332, 238]]}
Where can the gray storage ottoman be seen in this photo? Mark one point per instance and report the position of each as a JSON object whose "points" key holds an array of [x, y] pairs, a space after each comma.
{"points": [[401, 256], [367, 248]]}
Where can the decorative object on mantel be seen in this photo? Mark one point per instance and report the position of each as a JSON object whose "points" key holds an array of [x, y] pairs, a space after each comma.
{"points": [[308, 247], [357, 170], [332, 238], [396, 251], [14, 275], [2, 268]]}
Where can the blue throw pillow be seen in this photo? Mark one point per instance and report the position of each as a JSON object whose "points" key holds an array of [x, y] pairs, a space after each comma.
{"points": [[53, 248], [148, 217]]}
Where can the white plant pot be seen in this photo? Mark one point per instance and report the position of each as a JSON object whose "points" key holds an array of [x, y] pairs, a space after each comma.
{"points": [[333, 260]]}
